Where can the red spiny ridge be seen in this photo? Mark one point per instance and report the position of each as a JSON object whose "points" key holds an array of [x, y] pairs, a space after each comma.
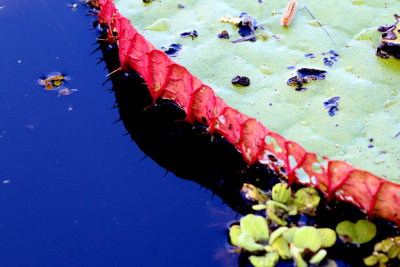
{"points": [[169, 80]]}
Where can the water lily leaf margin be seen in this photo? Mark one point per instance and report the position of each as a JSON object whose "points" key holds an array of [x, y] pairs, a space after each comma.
{"points": [[169, 80]]}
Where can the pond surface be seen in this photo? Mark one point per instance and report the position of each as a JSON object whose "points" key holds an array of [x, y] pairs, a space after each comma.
{"points": [[73, 190]]}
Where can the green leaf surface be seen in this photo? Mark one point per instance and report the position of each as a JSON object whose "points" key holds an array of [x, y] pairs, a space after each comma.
{"points": [[256, 226], [268, 260], [307, 237], [248, 242], [368, 85], [360, 232]]}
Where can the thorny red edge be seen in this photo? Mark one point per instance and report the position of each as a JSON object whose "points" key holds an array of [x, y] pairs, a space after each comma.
{"points": [[169, 80]]}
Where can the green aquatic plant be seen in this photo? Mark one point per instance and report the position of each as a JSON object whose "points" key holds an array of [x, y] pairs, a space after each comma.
{"points": [[277, 212], [384, 251], [268, 245], [281, 193], [306, 200], [254, 194], [268, 260], [360, 232], [307, 237]]}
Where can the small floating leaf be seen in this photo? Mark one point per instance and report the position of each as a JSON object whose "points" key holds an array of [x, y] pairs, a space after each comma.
{"points": [[256, 226], [361, 232], [281, 246], [393, 252], [160, 25], [234, 233], [259, 207], [253, 194], [268, 260], [306, 199], [248, 242], [307, 237], [318, 257], [275, 210], [288, 235], [277, 233], [296, 253], [382, 258], [281, 193], [365, 231], [371, 260], [328, 237]]}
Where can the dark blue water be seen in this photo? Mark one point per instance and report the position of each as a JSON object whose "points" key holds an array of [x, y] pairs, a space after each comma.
{"points": [[73, 190]]}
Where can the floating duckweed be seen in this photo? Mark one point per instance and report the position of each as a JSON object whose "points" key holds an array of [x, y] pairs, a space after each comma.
{"points": [[382, 258], [254, 194], [256, 226], [328, 237], [281, 246], [393, 252], [234, 233], [296, 253], [276, 210], [361, 232], [160, 25], [371, 260], [388, 248], [318, 257], [248, 242], [277, 233], [306, 199], [397, 240], [259, 207], [288, 235], [307, 237], [386, 245], [281, 193], [268, 260]]}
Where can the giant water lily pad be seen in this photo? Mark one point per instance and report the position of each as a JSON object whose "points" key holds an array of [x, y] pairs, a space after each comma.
{"points": [[361, 132]]}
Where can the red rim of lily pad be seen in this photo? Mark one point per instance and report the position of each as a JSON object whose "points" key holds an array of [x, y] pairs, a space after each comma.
{"points": [[168, 80]]}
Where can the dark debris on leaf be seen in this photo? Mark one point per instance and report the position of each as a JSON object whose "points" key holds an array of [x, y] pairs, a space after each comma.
{"points": [[192, 34], [172, 50], [328, 62], [241, 80], [223, 35], [332, 57], [332, 105], [181, 5], [310, 55], [334, 53], [303, 76], [248, 26], [313, 74]]}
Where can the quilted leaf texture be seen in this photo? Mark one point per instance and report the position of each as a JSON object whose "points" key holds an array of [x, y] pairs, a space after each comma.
{"points": [[168, 80]]}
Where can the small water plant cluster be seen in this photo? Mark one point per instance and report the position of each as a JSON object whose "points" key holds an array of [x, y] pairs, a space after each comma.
{"points": [[269, 238], [384, 251]]}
